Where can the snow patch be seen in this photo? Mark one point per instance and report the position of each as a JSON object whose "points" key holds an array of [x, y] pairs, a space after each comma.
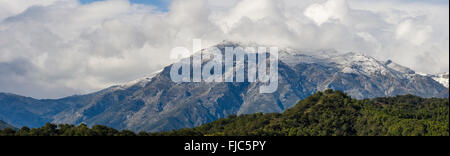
{"points": [[442, 79]]}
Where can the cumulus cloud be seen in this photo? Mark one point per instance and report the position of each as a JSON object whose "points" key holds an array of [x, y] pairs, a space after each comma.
{"points": [[55, 48], [321, 13]]}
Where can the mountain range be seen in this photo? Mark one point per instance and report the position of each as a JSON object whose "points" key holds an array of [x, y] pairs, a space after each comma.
{"points": [[156, 103]]}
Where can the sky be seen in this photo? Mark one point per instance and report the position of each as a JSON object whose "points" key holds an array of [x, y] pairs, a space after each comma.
{"points": [[58, 48], [161, 4]]}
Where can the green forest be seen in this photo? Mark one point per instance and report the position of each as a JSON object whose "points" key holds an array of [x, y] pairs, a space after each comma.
{"points": [[328, 113]]}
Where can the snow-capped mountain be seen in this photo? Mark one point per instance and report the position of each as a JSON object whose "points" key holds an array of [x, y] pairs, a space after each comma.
{"points": [[441, 78], [350, 63], [138, 82], [157, 103], [4, 125]]}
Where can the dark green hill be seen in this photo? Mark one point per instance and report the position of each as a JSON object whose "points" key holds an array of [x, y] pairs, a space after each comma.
{"points": [[333, 113], [329, 113]]}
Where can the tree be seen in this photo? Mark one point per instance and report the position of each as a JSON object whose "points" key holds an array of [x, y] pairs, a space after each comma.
{"points": [[8, 132]]}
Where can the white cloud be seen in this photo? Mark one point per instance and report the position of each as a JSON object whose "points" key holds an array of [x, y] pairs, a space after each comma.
{"points": [[321, 13], [55, 48], [11, 8]]}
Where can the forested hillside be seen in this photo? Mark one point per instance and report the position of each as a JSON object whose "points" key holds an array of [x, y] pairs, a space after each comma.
{"points": [[333, 113], [329, 113]]}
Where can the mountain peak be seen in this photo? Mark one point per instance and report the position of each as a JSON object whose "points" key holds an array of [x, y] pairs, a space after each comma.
{"points": [[400, 68], [229, 43]]}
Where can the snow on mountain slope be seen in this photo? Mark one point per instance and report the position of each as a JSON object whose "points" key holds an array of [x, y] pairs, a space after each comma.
{"points": [[294, 57], [441, 78], [399, 68], [138, 82], [360, 64], [351, 62]]}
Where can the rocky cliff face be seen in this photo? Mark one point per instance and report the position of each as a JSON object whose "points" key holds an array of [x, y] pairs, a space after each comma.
{"points": [[157, 103]]}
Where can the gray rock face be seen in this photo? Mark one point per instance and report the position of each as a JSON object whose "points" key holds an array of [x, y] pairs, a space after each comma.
{"points": [[157, 103]]}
